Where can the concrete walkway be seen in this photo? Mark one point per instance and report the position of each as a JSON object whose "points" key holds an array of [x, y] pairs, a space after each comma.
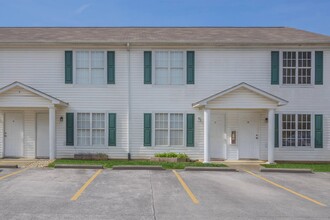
{"points": [[251, 165], [23, 162]]}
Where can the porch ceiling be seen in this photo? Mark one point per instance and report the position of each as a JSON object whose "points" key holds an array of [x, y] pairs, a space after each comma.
{"points": [[241, 96]]}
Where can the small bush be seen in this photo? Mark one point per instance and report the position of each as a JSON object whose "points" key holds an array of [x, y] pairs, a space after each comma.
{"points": [[173, 155]]}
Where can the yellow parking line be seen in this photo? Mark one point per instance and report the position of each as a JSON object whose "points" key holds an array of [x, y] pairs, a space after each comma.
{"points": [[12, 174], [82, 189], [184, 185], [289, 190]]}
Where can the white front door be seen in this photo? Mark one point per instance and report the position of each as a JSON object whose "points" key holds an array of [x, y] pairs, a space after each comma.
{"points": [[42, 135], [13, 135], [248, 136], [217, 141]]}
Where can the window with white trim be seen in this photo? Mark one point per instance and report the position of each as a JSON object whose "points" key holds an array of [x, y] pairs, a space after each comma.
{"points": [[169, 68], [297, 67], [90, 129], [90, 67], [169, 129], [296, 130]]}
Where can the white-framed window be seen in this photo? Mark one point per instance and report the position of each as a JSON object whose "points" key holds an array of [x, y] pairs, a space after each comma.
{"points": [[169, 129], [90, 67], [297, 67], [169, 67], [296, 130], [90, 129]]}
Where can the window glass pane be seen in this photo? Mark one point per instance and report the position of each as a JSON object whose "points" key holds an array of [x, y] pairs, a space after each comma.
{"points": [[98, 76], [82, 59], [161, 120], [176, 59], [304, 67], [176, 126], [83, 129], [82, 76], [161, 76], [304, 129], [98, 126], [176, 76], [176, 121], [176, 137], [162, 59], [161, 137], [97, 59], [288, 130]]}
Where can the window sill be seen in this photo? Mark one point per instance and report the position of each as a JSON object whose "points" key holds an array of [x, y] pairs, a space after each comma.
{"points": [[296, 86]]}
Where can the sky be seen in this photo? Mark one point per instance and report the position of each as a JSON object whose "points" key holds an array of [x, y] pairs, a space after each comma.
{"points": [[311, 15]]}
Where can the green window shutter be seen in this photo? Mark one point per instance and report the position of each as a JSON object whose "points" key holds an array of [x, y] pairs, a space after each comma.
{"points": [[147, 129], [276, 136], [190, 130], [147, 67], [68, 67], [69, 129], [275, 68], [111, 67], [318, 67], [318, 131], [190, 67], [112, 129]]}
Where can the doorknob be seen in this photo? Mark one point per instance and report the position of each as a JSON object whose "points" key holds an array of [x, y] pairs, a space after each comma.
{"points": [[257, 136], [5, 134]]}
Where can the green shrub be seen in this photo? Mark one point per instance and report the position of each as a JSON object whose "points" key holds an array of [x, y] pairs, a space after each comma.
{"points": [[172, 154]]}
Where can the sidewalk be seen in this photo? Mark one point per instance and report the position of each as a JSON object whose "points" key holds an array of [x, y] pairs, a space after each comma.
{"points": [[23, 162]]}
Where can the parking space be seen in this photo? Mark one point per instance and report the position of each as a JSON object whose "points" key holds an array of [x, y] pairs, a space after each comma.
{"points": [[47, 193]]}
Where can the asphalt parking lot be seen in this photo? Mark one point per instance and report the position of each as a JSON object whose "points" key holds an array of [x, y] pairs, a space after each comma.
{"points": [[110, 194]]}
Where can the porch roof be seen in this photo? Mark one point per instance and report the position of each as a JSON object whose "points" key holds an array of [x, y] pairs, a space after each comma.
{"points": [[258, 92], [39, 93]]}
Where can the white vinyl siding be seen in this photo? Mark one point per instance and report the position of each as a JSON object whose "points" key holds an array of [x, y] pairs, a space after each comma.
{"points": [[297, 67], [90, 67], [169, 129], [90, 129], [296, 130], [169, 67]]}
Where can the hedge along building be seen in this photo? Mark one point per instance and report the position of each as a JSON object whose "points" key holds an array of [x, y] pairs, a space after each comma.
{"points": [[212, 93]]}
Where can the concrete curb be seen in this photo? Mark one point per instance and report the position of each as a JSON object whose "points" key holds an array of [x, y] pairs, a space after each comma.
{"points": [[9, 166], [78, 166], [137, 167], [285, 170], [227, 169]]}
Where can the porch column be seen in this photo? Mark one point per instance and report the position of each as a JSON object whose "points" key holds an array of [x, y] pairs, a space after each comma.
{"points": [[207, 113], [271, 132], [52, 122]]}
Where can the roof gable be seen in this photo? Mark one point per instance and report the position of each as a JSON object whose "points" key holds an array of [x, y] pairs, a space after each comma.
{"points": [[242, 95], [31, 90]]}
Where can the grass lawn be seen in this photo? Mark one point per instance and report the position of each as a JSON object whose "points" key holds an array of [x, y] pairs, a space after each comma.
{"points": [[316, 167], [110, 163]]}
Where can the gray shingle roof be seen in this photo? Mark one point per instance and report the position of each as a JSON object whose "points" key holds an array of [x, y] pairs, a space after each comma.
{"points": [[153, 35]]}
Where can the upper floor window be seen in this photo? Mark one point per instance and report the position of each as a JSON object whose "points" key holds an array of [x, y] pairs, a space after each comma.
{"points": [[169, 67], [297, 67], [90, 67]]}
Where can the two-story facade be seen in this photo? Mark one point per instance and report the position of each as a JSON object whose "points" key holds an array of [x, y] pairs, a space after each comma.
{"points": [[212, 93]]}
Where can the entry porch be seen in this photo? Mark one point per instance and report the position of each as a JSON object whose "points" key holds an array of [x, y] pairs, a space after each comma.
{"points": [[239, 123]]}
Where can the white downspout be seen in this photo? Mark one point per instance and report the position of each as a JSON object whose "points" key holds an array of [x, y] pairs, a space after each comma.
{"points": [[129, 104]]}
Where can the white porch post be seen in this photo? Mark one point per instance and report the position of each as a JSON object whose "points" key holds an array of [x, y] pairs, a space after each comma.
{"points": [[52, 123], [207, 113], [271, 131]]}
